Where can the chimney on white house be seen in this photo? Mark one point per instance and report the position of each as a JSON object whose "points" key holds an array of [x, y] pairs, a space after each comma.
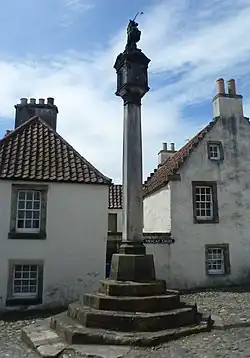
{"points": [[164, 153], [227, 104]]}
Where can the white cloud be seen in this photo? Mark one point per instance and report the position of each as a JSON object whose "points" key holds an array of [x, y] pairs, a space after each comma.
{"points": [[194, 45], [73, 9]]}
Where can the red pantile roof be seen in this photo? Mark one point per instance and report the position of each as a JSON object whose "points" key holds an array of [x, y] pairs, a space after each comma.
{"points": [[34, 151], [171, 166], [115, 196]]}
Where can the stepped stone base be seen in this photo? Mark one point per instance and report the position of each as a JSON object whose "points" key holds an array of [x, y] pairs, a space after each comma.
{"points": [[121, 313]]}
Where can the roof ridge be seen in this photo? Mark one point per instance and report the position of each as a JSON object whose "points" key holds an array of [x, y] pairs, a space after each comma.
{"points": [[19, 128], [172, 164]]}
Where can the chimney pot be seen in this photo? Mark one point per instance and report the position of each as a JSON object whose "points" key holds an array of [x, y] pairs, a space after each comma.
{"points": [[41, 100], [172, 147], [23, 101], [231, 87], [164, 146], [50, 100], [220, 86], [32, 101]]}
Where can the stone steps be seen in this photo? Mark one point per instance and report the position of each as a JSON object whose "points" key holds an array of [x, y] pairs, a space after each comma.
{"points": [[155, 303], [132, 321], [133, 289], [121, 313], [74, 333]]}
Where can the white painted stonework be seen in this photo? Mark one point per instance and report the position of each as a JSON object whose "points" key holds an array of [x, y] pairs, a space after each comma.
{"points": [[156, 211], [182, 263], [73, 253]]}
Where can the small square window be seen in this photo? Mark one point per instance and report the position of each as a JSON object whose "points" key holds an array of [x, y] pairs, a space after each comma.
{"points": [[217, 259], [215, 151]]}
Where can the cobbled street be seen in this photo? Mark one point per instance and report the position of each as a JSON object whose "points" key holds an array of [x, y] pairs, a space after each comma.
{"points": [[232, 307]]}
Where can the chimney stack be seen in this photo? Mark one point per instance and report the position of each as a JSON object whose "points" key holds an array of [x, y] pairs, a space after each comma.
{"points": [[46, 111], [164, 154], [229, 104]]}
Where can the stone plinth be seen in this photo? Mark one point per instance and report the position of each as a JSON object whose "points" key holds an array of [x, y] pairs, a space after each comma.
{"points": [[139, 268]]}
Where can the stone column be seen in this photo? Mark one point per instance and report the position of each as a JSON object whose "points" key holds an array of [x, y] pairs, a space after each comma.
{"points": [[132, 240], [132, 263]]}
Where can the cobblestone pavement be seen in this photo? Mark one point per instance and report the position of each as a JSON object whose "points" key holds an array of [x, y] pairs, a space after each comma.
{"points": [[10, 342], [233, 307]]}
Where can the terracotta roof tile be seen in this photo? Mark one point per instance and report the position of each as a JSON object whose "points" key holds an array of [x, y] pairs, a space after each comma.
{"points": [[171, 166], [115, 196], [34, 151]]}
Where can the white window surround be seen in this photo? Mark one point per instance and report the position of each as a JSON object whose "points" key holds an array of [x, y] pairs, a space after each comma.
{"points": [[215, 261], [204, 202], [28, 212], [25, 281], [214, 151]]}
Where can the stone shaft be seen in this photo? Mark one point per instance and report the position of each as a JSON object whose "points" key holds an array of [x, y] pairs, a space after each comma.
{"points": [[132, 173]]}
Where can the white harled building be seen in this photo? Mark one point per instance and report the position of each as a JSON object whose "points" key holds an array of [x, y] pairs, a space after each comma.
{"points": [[200, 194], [53, 213]]}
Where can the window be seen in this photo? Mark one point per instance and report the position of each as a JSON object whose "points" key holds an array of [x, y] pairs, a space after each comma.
{"points": [[112, 222], [204, 202], [215, 150], [25, 282], [217, 259], [205, 206], [28, 212]]}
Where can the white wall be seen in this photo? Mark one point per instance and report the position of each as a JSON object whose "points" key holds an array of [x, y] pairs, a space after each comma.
{"points": [[187, 255], [156, 211], [74, 251]]}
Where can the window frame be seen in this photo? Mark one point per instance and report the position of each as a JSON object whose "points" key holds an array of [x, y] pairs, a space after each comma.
{"points": [[29, 230], [220, 148], [226, 258], [11, 299], [116, 221], [215, 217], [23, 233]]}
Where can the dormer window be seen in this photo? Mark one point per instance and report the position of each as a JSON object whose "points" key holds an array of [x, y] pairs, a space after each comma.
{"points": [[215, 151]]}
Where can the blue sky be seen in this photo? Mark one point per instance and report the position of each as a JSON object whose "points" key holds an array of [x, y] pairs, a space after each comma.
{"points": [[66, 49]]}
